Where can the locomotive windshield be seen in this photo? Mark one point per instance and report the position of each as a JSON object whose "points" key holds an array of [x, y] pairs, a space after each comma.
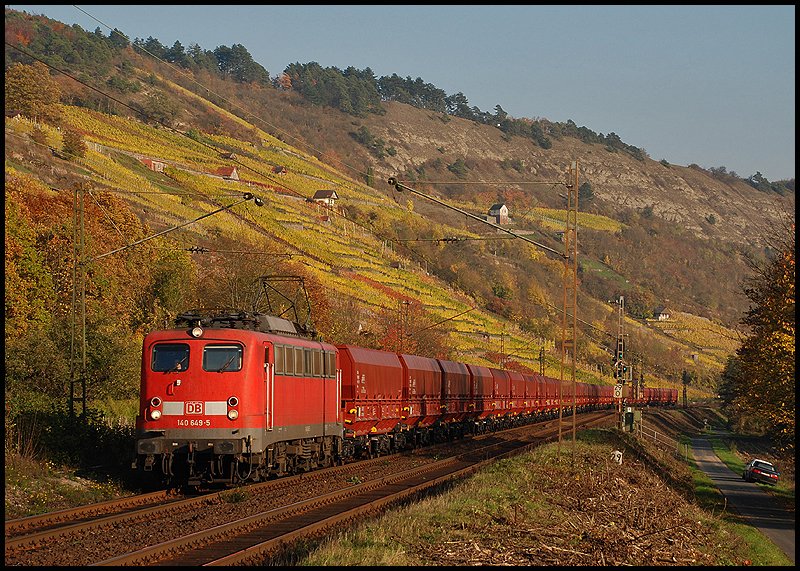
{"points": [[221, 358], [169, 357]]}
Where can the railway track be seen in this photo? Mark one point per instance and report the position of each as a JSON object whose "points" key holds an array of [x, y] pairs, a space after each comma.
{"points": [[245, 525], [16, 529]]}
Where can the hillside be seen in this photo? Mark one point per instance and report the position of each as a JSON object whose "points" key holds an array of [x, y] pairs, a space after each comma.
{"points": [[684, 196], [346, 259], [658, 234]]}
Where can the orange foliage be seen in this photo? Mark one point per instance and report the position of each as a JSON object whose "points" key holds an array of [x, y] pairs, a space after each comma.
{"points": [[285, 82]]}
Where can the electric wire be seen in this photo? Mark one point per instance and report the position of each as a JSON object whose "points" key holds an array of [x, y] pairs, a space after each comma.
{"points": [[371, 230], [272, 126]]}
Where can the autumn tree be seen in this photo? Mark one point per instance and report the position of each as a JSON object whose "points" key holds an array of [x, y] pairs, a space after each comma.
{"points": [[126, 294], [252, 281], [759, 384], [283, 81], [74, 145], [408, 328], [160, 108], [32, 92], [347, 323]]}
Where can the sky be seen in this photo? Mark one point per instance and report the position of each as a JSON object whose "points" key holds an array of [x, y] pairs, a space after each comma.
{"points": [[710, 85]]}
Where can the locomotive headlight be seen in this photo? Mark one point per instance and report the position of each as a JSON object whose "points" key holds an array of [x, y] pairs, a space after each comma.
{"points": [[197, 332], [155, 414], [233, 414]]}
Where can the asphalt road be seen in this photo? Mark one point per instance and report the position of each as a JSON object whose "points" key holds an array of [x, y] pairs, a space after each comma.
{"points": [[748, 499]]}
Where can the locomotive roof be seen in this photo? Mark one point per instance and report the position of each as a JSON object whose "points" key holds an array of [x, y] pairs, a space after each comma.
{"points": [[233, 335], [261, 322]]}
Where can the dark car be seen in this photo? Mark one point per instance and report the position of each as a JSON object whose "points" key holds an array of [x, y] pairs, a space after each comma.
{"points": [[757, 470]]}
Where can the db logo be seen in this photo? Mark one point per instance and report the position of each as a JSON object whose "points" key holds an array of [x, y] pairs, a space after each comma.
{"points": [[194, 408]]}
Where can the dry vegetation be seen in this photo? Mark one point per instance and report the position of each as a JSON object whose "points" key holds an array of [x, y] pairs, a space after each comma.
{"points": [[542, 509]]}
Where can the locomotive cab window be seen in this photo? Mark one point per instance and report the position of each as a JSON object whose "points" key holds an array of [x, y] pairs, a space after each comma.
{"points": [[170, 357], [221, 358]]}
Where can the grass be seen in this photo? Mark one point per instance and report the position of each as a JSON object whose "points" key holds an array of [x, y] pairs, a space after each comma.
{"points": [[532, 509], [602, 270], [759, 549], [34, 486]]}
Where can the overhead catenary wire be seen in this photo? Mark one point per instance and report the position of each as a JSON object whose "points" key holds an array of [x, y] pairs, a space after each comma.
{"points": [[513, 234], [298, 142], [291, 190], [400, 187], [303, 143], [270, 178], [216, 148]]}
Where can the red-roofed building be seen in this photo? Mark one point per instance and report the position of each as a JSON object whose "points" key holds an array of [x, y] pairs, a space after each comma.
{"points": [[228, 173], [157, 166]]}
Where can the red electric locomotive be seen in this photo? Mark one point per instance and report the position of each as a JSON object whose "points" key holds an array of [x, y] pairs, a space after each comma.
{"points": [[236, 397]]}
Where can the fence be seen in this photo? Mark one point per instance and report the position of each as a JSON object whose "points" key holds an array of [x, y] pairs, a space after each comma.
{"points": [[660, 440]]}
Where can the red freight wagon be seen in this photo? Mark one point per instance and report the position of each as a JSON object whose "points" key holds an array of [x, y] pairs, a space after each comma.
{"points": [[501, 393], [456, 397], [592, 396], [518, 403], [541, 392], [606, 394], [422, 390], [582, 395], [482, 390], [372, 390], [551, 401], [531, 393]]}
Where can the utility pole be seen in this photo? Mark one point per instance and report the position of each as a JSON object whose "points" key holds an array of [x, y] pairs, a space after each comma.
{"points": [[541, 360], [569, 327], [403, 310], [78, 255], [82, 261], [640, 388], [503, 348], [620, 368], [570, 257]]}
